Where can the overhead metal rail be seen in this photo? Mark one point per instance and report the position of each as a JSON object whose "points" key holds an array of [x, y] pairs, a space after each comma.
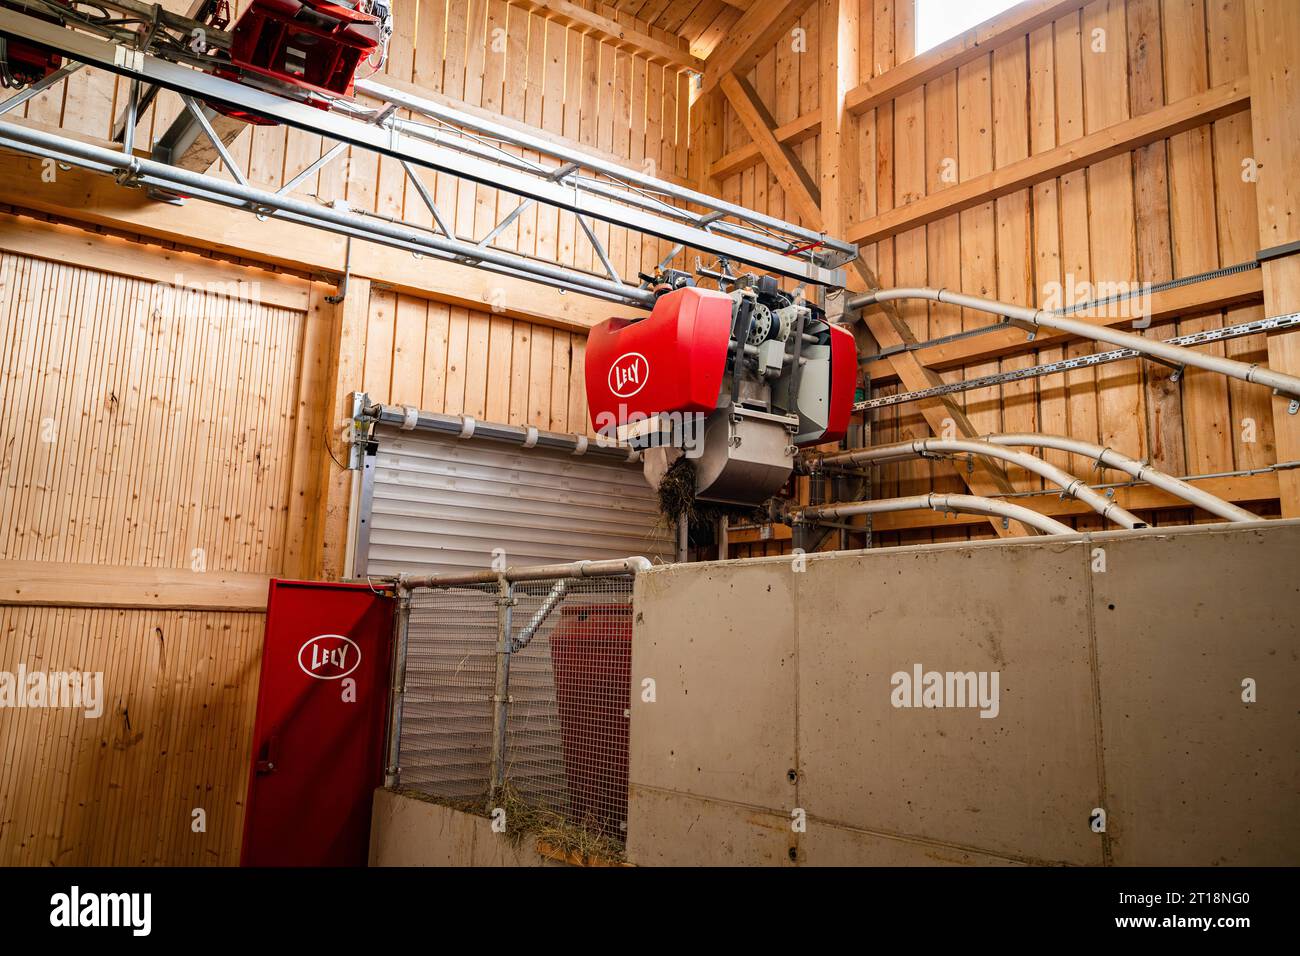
{"points": [[1175, 356], [400, 236], [765, 230], [459, 145]]}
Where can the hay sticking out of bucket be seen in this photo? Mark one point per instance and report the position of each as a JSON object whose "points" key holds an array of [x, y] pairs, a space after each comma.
{"points": [[677, 498], [677, 493]]}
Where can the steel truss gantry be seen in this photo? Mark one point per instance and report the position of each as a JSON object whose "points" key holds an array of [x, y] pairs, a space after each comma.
{"points": [[158, 56]]}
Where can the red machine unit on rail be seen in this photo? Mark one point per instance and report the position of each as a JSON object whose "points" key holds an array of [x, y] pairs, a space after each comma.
{"points": [[308, 50], [22, 62], [313, 46], [733, 380]]}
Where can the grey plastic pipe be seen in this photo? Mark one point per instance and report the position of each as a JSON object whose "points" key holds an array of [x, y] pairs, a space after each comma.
{"points": [[970, 504], [1176, 354], [543, 572], [1139, 470], [1070, 484]]}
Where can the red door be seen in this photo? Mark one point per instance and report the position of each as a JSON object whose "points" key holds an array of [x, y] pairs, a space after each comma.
{"points": [[319, 738]]}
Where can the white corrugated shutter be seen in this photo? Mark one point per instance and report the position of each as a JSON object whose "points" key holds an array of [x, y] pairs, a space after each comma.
{"points": [[443, 504]]}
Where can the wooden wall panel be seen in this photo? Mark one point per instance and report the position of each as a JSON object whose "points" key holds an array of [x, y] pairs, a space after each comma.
{"points": [[179, 694], [151, 426], [144, 421], [443, 358]]}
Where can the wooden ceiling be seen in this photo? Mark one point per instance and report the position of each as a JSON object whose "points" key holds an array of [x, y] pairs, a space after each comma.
{"points": [[702, 22]]}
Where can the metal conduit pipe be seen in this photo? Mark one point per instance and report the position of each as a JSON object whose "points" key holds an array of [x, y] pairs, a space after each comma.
{"points": [[1138, 469], [1070, 484], [971, 504], [543, 572], [466, 426], [1175, 354]]}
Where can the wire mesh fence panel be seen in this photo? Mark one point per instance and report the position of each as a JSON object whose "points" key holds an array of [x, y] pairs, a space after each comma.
{"points": [[446, 739], [566, 717], [586, 639]]}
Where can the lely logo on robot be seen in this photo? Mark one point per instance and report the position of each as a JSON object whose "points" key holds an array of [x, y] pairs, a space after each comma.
{"points": [[329, 657], [628, 374]]}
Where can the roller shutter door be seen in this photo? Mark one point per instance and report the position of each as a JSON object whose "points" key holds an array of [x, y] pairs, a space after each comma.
{"points": [[439, 503]]}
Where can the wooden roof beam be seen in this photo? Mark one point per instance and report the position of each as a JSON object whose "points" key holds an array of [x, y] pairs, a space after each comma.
{"points": [[978, 41], [790, 173], [753, 36], [615, 33]]}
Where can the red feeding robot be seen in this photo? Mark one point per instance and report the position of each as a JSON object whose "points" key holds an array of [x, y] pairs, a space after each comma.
{"points": [[736, 381]]}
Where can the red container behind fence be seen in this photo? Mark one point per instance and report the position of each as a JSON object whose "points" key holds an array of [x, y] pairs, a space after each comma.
{"points": [[591, 651]]}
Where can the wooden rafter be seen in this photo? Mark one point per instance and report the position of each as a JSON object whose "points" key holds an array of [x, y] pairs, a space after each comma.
{"points": [[757, 120], [1137, 132], [948, 56], [752, 37], [611, 31], [793, 133]]}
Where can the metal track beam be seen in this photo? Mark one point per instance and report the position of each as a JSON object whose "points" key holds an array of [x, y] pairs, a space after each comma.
{"points": [[148, 173]]}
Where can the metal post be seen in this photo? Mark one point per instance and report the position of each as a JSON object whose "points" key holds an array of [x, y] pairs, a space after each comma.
{"points": [[501, 692], [132, 118], [397, 693]]}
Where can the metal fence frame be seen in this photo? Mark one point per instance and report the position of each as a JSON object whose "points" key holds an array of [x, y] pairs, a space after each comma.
{"points": [[512, 637]]}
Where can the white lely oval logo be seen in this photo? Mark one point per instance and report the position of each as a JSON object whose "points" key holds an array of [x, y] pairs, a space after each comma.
{"points": [[628, 374], [329, 656]]}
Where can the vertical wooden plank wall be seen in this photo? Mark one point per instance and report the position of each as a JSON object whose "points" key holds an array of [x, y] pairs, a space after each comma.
{"points": [[1176, 206], [154, 461]]}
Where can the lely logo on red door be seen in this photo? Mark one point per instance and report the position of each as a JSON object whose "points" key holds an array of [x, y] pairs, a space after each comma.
{"points": [[628, 374], [329, 656]]}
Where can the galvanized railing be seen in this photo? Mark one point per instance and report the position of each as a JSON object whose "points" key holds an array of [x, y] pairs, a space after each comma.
{"points": [[511, 693]]}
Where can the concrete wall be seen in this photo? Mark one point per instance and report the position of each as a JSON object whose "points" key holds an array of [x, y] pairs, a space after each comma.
{"points": [[1119, 689], [408, 831]]}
